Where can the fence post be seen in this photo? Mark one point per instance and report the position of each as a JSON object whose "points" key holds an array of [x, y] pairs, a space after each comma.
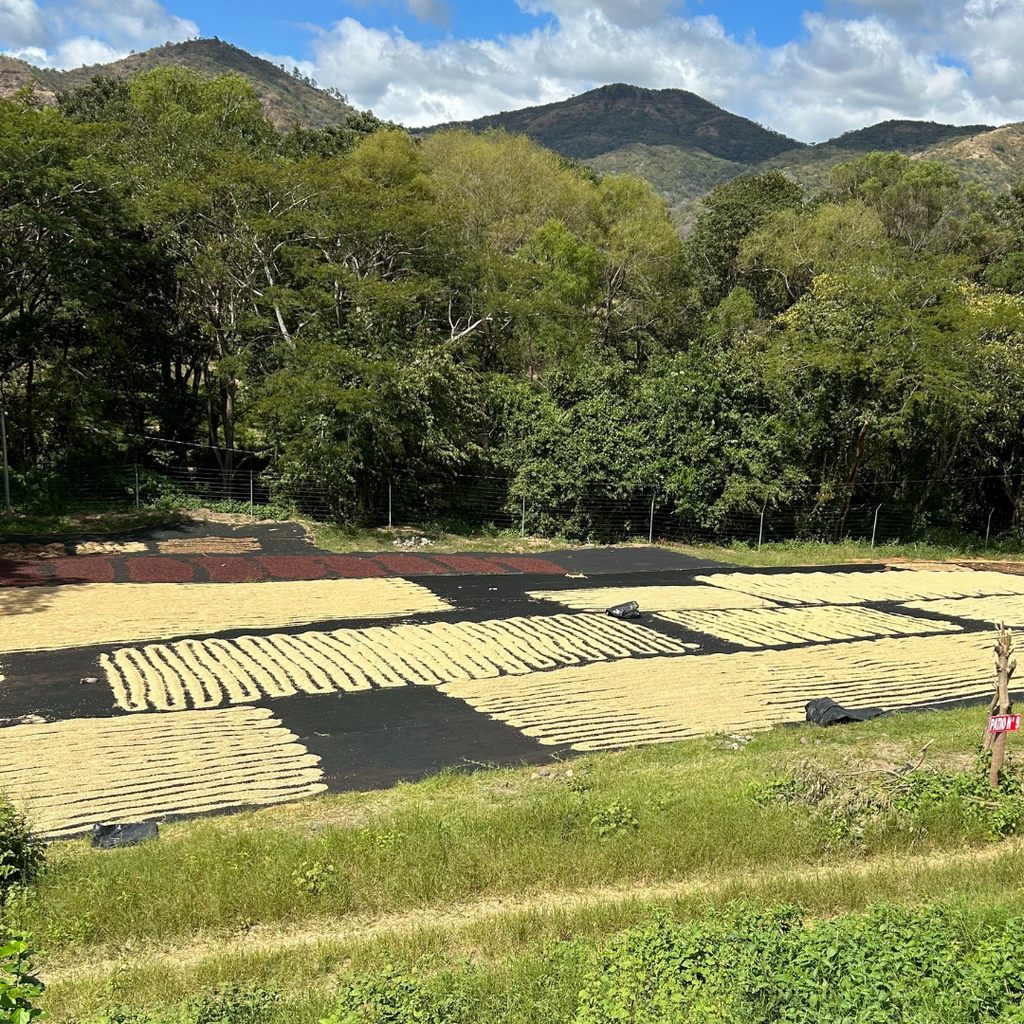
{"points": [[760, 531], [7, 478], [988, 529], [522, 529], [252, 514], [135, 466], [650, 536], [389, 504], [874, 528]]}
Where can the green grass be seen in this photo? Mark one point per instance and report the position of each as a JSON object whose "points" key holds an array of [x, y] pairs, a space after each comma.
{"points": [[795, 552], [484, 878], [489, 834]]}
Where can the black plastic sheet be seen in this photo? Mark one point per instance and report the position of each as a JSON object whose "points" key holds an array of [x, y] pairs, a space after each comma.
{"points": [[825, 711], [627, 610], [109, 837]]}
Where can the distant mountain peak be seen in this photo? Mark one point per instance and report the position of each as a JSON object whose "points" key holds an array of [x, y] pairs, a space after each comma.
{"points": [[618, 115]]}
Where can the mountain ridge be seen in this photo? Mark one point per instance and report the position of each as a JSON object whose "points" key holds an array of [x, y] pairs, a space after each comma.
{"points": [[611, 116], [287, 99]]}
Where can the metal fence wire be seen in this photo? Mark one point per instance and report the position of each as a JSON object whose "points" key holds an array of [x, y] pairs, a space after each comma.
{"points": [[488, 503]]}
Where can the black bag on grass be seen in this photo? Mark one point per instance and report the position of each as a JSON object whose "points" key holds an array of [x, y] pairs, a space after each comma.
{"points": [[109, 837], [825, 711]]}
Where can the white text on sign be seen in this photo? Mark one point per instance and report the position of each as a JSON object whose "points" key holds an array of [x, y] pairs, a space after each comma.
{"points": [[1004, 723]]}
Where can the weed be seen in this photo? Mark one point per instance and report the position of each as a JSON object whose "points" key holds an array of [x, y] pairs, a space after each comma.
{"points": [[844, 808], [394, 997], [614, 819], [754, 966], [385, 840], [237, 1004], [316, 878], [22, 856]]}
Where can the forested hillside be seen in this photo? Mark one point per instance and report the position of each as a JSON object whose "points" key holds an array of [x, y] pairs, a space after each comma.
{"points": [[684, 145], [357, 307], [606, 119], [288, 98]]}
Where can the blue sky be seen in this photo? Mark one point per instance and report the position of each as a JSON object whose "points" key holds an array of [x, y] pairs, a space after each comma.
{"points": [[811, 69], [265, 25]]}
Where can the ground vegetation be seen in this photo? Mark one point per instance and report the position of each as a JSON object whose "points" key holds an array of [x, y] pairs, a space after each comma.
{"points": [[856, 873]]}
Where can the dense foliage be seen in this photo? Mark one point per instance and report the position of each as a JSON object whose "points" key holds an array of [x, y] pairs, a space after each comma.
{"points": [[359, 307], [19, 988], [888, 965], [22, 854]]}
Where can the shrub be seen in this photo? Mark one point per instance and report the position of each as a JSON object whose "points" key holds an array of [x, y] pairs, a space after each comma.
{"points": [[748, 966], [18, 986], [22, 853]]}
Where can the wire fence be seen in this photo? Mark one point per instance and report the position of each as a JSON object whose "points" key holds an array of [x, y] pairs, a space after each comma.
{"points": [[489, 503]]}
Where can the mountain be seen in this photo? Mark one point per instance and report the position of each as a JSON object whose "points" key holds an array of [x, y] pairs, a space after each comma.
{"points": [[286, 98], [616, 116], [995, 158], [906, 136], [684, 145]]}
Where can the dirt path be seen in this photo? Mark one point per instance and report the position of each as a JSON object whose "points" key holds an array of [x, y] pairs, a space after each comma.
{"points": [[361, 927]]}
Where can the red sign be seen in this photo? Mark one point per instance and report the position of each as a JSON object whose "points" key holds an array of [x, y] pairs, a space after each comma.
{"points": [[1004, 723]]}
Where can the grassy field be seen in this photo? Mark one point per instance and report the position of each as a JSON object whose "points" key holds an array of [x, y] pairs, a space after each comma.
{"points": [[502, 886]]}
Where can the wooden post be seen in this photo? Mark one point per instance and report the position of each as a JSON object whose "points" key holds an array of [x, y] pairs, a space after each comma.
{"points": [[1005, 666]]}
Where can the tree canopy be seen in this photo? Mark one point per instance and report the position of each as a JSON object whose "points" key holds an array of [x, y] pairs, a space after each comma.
{"points": [[358, 307]]}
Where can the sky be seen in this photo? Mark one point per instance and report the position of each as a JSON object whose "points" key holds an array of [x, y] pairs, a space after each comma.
{"points": [[809, 69]]}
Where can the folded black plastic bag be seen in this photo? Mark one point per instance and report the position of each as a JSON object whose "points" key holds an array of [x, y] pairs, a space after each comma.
{"points": [[109, 837], [627, 610], [825, 711]]}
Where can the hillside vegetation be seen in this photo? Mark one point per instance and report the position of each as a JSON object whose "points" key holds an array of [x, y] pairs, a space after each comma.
{"points": [[287, 98], [613, 116], [684, 145]]}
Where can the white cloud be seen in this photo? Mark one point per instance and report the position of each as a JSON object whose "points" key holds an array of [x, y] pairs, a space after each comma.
{"points": [[70, 34], [948, 60], [22, 24], [461, 79]]}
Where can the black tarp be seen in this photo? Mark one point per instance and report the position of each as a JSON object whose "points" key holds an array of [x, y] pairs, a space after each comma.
{"points": [[108, 837], [825, 711]]}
